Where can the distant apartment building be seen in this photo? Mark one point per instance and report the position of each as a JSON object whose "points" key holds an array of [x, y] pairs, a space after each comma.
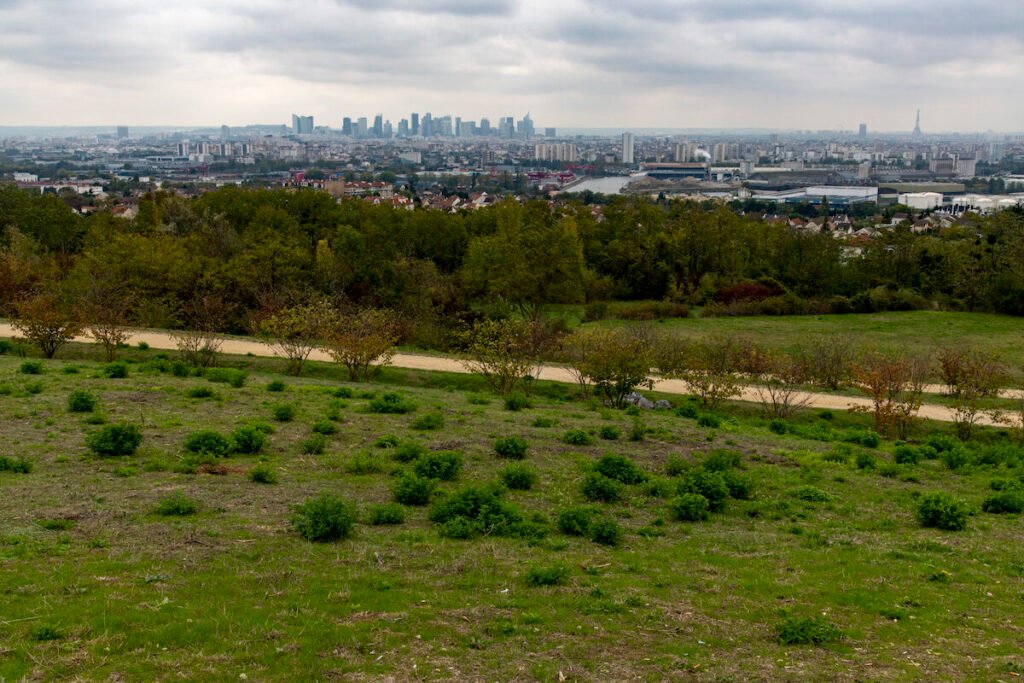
{"points": [[302, 125], [628, 147], [563, 151]]}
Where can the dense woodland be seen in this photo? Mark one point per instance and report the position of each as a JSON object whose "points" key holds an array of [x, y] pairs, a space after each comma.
{"points": [[255, 251]]}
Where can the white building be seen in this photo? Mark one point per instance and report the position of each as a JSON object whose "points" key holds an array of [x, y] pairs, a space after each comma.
{"points": [[627, 148], [921, 201]]}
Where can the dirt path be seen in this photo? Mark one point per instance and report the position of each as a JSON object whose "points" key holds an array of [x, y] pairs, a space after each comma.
{"points": [[242, 347]]}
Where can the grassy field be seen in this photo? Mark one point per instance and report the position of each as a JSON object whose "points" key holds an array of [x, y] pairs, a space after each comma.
{"points": [[95, 585]]}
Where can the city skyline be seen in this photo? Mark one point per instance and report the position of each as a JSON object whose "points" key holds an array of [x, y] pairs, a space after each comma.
{"points": [[797, 65]]}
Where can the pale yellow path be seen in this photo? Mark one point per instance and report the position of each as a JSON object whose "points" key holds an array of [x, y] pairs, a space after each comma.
{"points": [[241, 347]]}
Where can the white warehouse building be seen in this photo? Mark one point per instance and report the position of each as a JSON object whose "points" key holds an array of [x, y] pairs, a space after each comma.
{"points": [[921, 201]]}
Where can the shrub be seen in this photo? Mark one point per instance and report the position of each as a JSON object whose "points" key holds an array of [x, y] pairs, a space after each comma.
{"points": [[740, 487], [276, 386], [709, 420], [409, 451], [519, 477], [941, 442], [15, 465], [314, 444], [955, 458], [324, 518], [209, 442], [863, 437], [283, 412], [325, 427], [689, 507], [412, 490], [142, 346], [577, 437], [31, 367], [180, 369], [810, 494], [364, 463], [778, 426], [516, 402], [118, 370], [443, 465], [428, 422], [511, 447], [475, 511], [391, 404], [386, 513], [263, 474], [609, 433], [599, 488], [555, 575], [620, 468], [688, 410], [248, 439], [5, 347], [81, 401], [906, 455], [176, 505], [545, 422], [940, 510], [606, 532], [386, 441], [343, 392], [865, 461], [34, 387], [840, 453], [574, 521], [721, 460], [235, 378], [201, 392], [711, 485], [115, 440], [1006, 501], [807, 631], [638, 430]]}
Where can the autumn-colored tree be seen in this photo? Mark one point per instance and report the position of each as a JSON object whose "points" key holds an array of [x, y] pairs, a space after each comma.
{"points": [[506, 352], [779, 385], [45, 320], [709, 367], [363, 341], [969, 375], [611, 361], [828, 360], [296, 330], [895, 384]]}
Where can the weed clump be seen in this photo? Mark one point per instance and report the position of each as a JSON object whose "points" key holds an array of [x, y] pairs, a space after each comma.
{"points": [[176, 505], [601, 489], [1010, 501], [512, 447], [609, 432], [314, 444], [577, 437], [208, 442], [477, 511], [711, 485], [45, 632], [364, 463], [386, 441], [276, 386], [263, 474], [606, 532], [324, 518], [620, 468], [249, 439], [31, 367], [115, 440], [116, 370], [940, 510], [519, 477], [283, 412], [689, 507], [81, 401], [429, 422], [516, 402], [443, 465], [325, 427], [235, 378], [574, 521], [409, 451], [386, 514], [807, 631], [391, 404], [810, 494], [15, 465], [554, 575], [412, 490], [201, 392]]}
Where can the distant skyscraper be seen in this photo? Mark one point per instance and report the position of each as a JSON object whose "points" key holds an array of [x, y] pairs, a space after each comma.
{"points": [[485, 126], [415, 123], [122, 132], [427, 125], [302, 125], [346, 126], [362, 127], [862, 132], [378, 126], [403, 128], [526, 127], [627, 148], [550, 133], [917, 125]]}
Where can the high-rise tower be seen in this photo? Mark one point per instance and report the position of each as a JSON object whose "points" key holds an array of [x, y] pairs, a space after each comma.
{"points": [[917, 125]]}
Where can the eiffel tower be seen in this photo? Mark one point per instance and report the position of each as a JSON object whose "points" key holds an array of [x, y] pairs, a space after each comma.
{"points": [[917, 125]]}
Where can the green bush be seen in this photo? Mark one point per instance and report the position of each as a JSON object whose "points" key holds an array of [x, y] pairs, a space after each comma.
{"points": [[906, 455], [575, 521], [5, 347], [865, 461], [940, 510], [606, 532], [386, 513], [142, 345], [325, 427], [778, 426], [314, 444], [519, 477], [1006, 501], [676, 466], [476, 511], [115, 440], [689, 507], [324, 518], [863, 437], [276, 386], [343, 392], [235, 378], [412, 490], [391, 404], [577, 437], [688, 410], [428, 422], [15, 465], [116, 370], [740, 487], [554, 575], [443, 465], [941, 442], [180, 369], [709, 420], [620, 468], [516, 402], [209, 442], [283, 412], [386, 441], [409, 451], [721, 460], [31, 367], [638, 430], [955, 458], [249, 439], [176, 505], [545, 422], [201, 392], [598, 488], [263, 474], [42, 633], [609, 432], [512, 447], [807, 631], [364, 463], [811, 494], [711, 485], [81, 401]]}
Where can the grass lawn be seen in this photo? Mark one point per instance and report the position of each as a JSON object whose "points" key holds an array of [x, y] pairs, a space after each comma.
{"points": [[95, 585]]}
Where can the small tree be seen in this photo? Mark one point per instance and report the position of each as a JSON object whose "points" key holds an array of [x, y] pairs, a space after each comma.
{"points": [[105, 313], [295, 331], [895, 385], [969, 376], [613, 361], [506, 352], [45, 321], [708, 368], [362, 340], [200, 341], [828, 361], [779, 386]]}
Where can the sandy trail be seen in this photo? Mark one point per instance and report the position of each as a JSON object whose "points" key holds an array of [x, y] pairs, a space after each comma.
{"points": [[242, 347]]}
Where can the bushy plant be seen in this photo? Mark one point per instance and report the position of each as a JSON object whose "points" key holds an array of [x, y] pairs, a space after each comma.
{"points": [[688, 410], [314, 444], [15, 465], [176, 504], [208, 441], [116, 370], [412, 490], [554, 575], [721, 460], [386, 441], [512, 447], [31, 367], [81, 401], [516, 401], [476, 511], [905, 454], [201, 392], [276, 386], [711, 485], [343, 392], [519, 477], [364, 463], [248, 439], [428, 422], [941, 442], [710, 420], [391, 404], [778, 426], [807, 631], [606, 531], [115, 440], [235, 378], [865, 461], [620, 468], [263, 474], [863, 437], [1009, 500], [443, 465], [545, 422], [740, 487], [283, 412], [598, 488], [577, 437], [325, 427], [409, 451], [940, 510], [575, 521], [689, 507], [810, 494], [42, 633], [324, 518], [609, 432], [386, 514], [956, 458]]}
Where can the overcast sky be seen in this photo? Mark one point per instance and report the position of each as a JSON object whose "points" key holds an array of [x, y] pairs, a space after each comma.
{"points": [[821, 64]]}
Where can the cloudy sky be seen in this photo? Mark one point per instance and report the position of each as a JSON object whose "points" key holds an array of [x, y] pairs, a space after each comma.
{"points": [[572, 63]]}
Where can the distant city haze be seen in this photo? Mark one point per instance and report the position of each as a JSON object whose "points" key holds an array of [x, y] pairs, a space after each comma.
{"points": [[665, 64]]}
